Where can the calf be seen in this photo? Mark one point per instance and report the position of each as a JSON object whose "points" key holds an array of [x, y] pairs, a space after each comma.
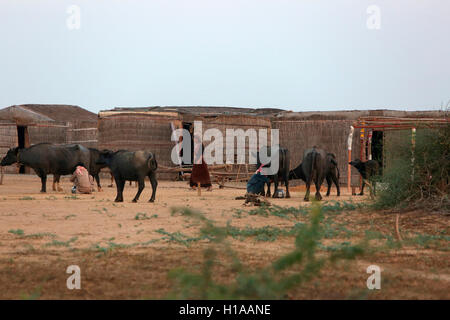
{"points": [[131, 166], [367, 170]]}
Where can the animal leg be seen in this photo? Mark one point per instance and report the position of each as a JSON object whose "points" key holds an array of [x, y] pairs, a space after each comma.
{"points": [[275, 187], [336, 182], [141, 183], [268, 189], [329, 185], [120, 184], [318, 184], [154, 183], [286, 183], [362, 188], [308, 185], [112, 181], [97, 179], [43, 176], [58, 187]]}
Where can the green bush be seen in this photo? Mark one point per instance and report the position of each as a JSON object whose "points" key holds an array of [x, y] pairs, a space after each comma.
{"points": [[421, 180], [270, 282]]}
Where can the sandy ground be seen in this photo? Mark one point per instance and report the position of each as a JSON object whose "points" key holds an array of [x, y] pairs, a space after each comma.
{"points": [[124, 252]]}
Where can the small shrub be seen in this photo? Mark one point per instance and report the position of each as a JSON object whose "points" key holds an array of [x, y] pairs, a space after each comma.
{"points": [[143, 216], [71, 197], [270, 282], [419, 179], [179, 237], [57, 243], [26, 198], [18, 232]]}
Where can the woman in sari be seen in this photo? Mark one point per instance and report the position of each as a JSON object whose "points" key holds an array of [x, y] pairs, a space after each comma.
{"points": [[200, 172]]}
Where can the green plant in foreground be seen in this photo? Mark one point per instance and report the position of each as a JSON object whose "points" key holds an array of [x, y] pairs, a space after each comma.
{"points": [[18, 232], [112, 246], [26, 198], [32, 296], [143, 216], [57, 243], [72, 197], [270, 282], [179, 237]]}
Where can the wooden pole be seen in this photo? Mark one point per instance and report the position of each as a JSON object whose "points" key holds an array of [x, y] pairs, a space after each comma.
{"points": [[1, 175], [349, 167], [199, 189], [413, 148], [239, 170], [362, 148]]}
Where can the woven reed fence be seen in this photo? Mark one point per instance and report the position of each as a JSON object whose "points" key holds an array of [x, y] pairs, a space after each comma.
{"points": [[330, 135]]}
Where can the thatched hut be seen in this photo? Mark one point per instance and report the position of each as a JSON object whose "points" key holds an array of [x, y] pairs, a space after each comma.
{"points": [[151, 128], [330, 131], [24, 125]]}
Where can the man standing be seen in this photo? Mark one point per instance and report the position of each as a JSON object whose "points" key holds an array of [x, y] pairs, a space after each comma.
{"points": [[84, 183]]}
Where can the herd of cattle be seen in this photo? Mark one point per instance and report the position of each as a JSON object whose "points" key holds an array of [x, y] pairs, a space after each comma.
{"points": [[46, 158]]}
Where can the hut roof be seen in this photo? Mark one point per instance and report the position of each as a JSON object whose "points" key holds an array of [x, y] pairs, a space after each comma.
{"points": [[32, 113], [194, 110], [274, 113], [356, 114]]}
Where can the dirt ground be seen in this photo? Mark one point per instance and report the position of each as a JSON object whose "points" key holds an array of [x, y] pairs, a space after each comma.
{"points": [[125, 250]]}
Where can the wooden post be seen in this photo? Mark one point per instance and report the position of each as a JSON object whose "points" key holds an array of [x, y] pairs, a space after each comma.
{"points": [[349, 167], [1, 175], [413, 148], [369, 145], [239, 170], [199, 189], [362, 148]]}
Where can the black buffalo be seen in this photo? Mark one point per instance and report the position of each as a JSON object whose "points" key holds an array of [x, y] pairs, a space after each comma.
{"points": [[95, 167], [47, 158], [282, 173], [331, 173], [312, 169], [131, 166], [367, 170]]}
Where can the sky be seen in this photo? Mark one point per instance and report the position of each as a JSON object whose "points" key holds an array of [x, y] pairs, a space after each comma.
{"points": [[300, 55]]}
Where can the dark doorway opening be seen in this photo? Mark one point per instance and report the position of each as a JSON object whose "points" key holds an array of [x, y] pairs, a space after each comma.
{"points": [[377, 147], [186, 164], [22, 138], [189, 127]]}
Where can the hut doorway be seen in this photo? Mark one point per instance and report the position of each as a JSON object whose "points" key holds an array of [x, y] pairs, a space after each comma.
{"points": [[24, 142], [189, 127], [377, 147]]}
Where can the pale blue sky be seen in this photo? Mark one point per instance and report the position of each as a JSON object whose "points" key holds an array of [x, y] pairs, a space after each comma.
{"points": [[292, 54]]}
